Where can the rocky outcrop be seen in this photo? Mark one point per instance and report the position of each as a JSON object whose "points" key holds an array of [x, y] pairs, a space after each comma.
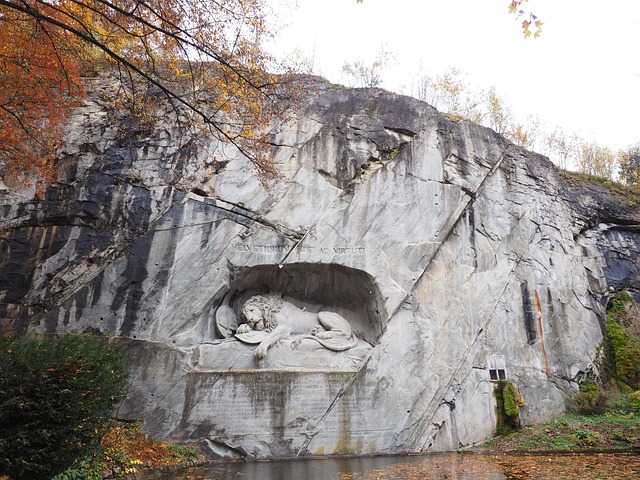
{"points": [[449, 252]]}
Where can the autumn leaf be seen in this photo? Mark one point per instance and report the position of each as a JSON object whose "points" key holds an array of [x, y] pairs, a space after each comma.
{"points": [[202, 57], [516, 7], [39, 83]]}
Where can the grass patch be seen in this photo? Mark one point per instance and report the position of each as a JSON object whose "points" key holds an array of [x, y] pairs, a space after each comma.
{"points": [[573, 432]]}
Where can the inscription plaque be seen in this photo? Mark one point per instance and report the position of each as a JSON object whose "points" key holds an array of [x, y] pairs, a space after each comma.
{"points": [[250, 403]]}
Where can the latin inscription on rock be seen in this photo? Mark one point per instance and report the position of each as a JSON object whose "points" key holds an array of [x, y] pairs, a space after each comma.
{"points": [[275, 249], [242, 403]]}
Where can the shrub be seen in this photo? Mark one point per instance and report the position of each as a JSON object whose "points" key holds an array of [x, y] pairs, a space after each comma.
{"points": [[635, 401], [619, 403], [589, 400], [83, 470], [184, 451], [56, 397], [508, 403], [510, 397], [124, 444], [123, 461], [622, 350], [585, 438]]}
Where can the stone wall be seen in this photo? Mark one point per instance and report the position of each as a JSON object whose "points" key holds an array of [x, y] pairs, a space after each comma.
{"points": [[441, 244]]}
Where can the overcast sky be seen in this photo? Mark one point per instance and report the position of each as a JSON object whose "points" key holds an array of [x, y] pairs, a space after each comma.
{"points": [[583, 74]]}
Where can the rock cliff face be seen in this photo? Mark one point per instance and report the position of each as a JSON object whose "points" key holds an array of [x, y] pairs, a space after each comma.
{"points": [[450, 253]]}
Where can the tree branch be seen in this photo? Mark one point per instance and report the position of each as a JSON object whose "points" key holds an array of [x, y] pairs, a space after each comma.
{"points": [[88, 37]]}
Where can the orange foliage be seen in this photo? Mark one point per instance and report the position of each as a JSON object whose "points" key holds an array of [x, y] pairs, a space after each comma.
{"points": [[38, 85], [203, 57], [139, 446]]}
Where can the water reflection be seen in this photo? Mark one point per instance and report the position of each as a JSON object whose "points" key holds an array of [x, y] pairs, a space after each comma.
{"points": [[450, 466], [326, 469]]}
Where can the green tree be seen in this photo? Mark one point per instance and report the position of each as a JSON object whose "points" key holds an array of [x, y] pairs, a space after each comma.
{"points": [[629, 161], [56, 399]]}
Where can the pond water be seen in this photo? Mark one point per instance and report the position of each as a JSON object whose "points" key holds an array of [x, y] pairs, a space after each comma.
{"points": [[449, 466]]}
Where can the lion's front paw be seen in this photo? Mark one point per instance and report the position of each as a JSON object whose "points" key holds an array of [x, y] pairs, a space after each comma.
{"points": [[244, 328], [261, 352]]}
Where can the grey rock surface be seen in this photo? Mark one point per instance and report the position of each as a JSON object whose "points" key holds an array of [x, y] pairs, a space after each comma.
{"points": [[441, 244]]}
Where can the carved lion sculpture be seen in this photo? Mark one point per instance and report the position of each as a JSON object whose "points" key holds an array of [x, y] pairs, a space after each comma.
{"points": [[282, 319]]}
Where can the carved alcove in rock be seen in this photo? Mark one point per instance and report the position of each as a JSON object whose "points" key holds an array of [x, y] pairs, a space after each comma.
{"points": [[247, 405], [305, 291], [315, 287]]}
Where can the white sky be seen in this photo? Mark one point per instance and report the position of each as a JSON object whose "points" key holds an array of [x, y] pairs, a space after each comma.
{"points": [[583, 74]]}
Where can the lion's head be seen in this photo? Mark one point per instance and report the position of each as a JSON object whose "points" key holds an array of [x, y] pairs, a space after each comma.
{"points": [[260, 312]]}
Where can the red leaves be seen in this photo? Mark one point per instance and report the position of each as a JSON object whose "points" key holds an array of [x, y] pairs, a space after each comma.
{"points": [[204, 57], [526, 24], [38, 83], [134, 444]]}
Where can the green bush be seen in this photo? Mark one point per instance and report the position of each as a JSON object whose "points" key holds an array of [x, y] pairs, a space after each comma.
{"points": [[635, 401], [622, 350], [189, 453], [510, 397], [508, 403], [619, 403], [589, 400], [56, 398], [83, 470], [585, 438]]}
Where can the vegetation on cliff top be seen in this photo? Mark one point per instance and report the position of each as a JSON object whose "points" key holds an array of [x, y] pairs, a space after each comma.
{"points": [[631, 192]]}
